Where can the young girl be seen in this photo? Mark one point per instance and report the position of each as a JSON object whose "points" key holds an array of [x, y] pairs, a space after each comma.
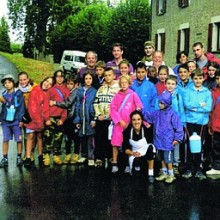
{"points": [[210, 82], [192, 65], [124, 68], [123, 103], [38, 108], [69, 127], [84, 120], [163, 73], [11, 118], [25, 84]]}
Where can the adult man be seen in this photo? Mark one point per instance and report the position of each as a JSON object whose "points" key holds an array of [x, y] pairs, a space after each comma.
{"points": [[158, 60], [202, 59], [117, 52], [148, 49], [90, 59]]}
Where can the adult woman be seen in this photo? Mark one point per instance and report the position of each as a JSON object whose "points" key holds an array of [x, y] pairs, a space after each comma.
{"points": [[136, 145], [38, 108]]}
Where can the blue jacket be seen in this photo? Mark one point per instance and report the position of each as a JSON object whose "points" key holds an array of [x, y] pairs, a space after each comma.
{"points": [[18, 102], [84, 110], [181, 87], [195, 112], [167, 126], [147, 93]]}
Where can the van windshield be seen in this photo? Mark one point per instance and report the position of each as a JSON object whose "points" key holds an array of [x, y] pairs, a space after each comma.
{"points": [[68, 58], [79, 59]]}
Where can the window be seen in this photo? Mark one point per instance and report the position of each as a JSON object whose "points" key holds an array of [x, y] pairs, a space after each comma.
{"points": [[160, 39], [214, 37], [183, 40], [161, 7], [183, 3], [68, 58]]}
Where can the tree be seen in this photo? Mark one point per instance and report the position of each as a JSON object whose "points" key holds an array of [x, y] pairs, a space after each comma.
{"points": [[129, 25], [5, 44]]}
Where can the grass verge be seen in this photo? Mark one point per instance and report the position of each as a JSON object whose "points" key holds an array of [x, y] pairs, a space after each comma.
{"points": [[37, 70]]}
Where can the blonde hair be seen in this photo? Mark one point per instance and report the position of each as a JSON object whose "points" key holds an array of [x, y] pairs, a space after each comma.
{"points": [[126, 77]]}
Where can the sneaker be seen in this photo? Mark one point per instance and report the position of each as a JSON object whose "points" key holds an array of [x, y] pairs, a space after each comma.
{"points": [[137, 169], [187, 174], [67, 159], [57, 160], [170, 179], [82, 160], [40, 160], [32, 157], [200, 175], [114, 168], [151, 179], [27, 163], [74, 159], [127, 169], [19, 161], [91, 163], [4, 162], [106, 163], [213, 172], [161, 177], [46, 160], [176, 170], [98, 163]]}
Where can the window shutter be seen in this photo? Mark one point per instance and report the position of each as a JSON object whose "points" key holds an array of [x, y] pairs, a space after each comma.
{"points": [[187, 38], [156, 41], [157, 7], [164, 6], [163, 40], [178, 41], [209, 48]]}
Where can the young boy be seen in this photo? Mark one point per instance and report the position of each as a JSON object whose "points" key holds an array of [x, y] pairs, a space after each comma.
{"points": [[70, 129], [102, 102], [13, 109], [214, 127], [198, 104], [177, 106], [99, 77], [168, 132]]}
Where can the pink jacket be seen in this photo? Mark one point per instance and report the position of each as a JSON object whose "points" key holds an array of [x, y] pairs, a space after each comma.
{"points": [[131, 104]]}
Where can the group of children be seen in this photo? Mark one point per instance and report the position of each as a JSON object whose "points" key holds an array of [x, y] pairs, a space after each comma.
{"points": [[165, 108]]}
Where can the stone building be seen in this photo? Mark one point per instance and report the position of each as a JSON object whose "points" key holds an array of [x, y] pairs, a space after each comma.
{"points": [[177, 24]]}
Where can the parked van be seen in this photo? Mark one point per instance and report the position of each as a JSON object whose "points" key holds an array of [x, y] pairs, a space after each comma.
{"points": [[72, 60]]}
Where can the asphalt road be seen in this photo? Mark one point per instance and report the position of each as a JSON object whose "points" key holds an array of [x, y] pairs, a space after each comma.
{"points": [[80, 192]]}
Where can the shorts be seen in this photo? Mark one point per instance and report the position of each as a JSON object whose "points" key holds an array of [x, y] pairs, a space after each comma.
{"points": [[28, 131], [166, 156], [9, 131]]}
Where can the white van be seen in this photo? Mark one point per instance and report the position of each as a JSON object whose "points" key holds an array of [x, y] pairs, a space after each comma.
{"points": [[72, 60]]}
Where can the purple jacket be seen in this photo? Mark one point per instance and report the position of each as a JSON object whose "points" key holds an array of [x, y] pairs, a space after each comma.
{"points": [[167, 124], [131, 104]]}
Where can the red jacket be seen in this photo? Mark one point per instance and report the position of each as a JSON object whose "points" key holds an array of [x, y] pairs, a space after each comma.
{"points": [[54, 94], [38, 108], [160, 86], [215, 116]]}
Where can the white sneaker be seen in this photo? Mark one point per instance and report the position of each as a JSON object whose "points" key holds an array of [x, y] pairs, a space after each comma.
{"points": [[114, 169], [213, 172], [91, 163], [137, 169], [82, 160], [127, 169]]}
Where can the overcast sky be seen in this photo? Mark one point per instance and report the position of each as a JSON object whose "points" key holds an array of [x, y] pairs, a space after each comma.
{"points": [[3, 8]]}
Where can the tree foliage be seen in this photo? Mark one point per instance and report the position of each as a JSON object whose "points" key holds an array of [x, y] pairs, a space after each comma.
{"points": [[5, 44], [56, 25]]}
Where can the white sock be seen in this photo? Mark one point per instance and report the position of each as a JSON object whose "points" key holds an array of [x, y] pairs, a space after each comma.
{"points": [[150, 172]]}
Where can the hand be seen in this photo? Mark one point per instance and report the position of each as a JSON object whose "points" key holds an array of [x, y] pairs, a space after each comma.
{"points": [[21, 124], [136, 154], [175, 143], [123, 124], [48, 123], [51, 103], [202, 104], [92, 124], [78, 126], [2, 100], [210, 131], [101, 117], [60, 122]]}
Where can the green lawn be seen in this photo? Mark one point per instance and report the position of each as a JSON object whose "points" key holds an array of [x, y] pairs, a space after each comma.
{"points": [[37, 70]]}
